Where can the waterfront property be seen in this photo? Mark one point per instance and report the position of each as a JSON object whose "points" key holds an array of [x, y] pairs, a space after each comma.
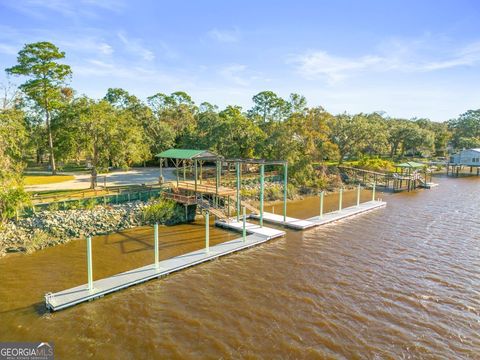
{"points": [[210, 199], [407, 176], [469, 159]]}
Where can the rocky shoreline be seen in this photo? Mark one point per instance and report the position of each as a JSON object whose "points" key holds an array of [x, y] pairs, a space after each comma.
{"points": [[48, 228]]}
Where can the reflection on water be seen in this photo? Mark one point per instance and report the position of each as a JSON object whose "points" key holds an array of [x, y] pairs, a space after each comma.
{"points": [[397, 282]]}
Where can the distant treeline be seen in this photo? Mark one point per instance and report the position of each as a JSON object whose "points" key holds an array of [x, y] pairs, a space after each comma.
{"points": [[44, 118]]}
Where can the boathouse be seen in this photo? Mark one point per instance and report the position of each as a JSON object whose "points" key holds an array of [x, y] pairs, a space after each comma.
{"points": [[467, 158]]}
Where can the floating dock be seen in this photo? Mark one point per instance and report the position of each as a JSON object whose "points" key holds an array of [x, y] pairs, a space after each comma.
{"points": [[297, 224], [79, 294], [258, 235], [255, 229], [347, 212]]}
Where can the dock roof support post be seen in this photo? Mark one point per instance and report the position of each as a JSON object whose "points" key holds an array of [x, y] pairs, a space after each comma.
{"points": [[373, 193], [176, 169], [201, 171], [155, 237], [238, 189], [340, 199], [89, 263], [207, 231], [285, 180], [160, 180], [244, 229], [358, 195], [322, 193], [196, 175], [184, 170], [217, 180], [262, 185]]}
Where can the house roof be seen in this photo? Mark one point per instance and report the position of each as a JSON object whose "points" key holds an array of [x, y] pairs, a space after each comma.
{"points": [[411, 164], [187, 154]]}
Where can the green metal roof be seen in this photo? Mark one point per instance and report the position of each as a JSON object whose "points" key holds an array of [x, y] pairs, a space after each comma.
{"points": [[186, 154], [411, 164]]}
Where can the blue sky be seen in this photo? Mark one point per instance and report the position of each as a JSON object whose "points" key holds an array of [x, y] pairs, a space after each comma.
{"points": [[407, 58]]}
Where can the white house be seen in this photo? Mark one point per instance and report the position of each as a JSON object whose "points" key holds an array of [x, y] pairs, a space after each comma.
{"points": [[468, 157]]}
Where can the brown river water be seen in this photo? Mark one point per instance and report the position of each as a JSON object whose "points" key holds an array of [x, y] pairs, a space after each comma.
{"points": [[398, 282]]}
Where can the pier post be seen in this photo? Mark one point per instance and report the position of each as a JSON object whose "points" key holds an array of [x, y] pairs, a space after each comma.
{"points": [[196, 175], [340, 199], [207, 231], [262, 184], [244, 229], [322, 193], [155, 237], [238, 190], [89, 263], [184, 170], [285, 179], [373, 193], [358, 195]]}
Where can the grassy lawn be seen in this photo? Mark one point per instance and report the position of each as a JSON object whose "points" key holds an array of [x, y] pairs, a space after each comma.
{"points": [[42, 179]]}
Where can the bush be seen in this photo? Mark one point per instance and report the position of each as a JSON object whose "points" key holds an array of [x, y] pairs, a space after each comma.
{"points": [[274, 193], [375, 164], [159, 211], [11, 201], [90, 204], [53, 206]]}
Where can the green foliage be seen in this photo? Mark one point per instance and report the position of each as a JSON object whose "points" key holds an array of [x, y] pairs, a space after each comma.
{"points": [[90, 204], [466, 130], [46, 78], [159, 211], [376, 164], [54, 206]]}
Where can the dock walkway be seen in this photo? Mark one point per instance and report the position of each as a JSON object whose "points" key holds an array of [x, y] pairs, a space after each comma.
{"points": [[255, 229], [258, 235], [347, 212], [79, 294], [293, 223]]}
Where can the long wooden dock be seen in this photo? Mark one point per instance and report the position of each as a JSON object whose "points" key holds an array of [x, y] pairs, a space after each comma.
{"points": [[79, 294]]}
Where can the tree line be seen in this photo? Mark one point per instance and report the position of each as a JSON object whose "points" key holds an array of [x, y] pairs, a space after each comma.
{"points": [[45, 118]]}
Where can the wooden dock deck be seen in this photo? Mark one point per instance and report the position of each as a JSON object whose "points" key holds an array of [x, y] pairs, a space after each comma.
{"points": [[76, 295], [347, 212]]}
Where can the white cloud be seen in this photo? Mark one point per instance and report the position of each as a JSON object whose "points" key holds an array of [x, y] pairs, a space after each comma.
{"points": [[398, 57], [235, 73], [71, 9], [8, 49], [224, 35], [135, 47]]}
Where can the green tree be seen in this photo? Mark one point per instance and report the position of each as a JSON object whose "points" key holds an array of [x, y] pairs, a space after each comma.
{"points": [[39, 62], [13, 138], [466, 130], [350, 133], [269, 107]]}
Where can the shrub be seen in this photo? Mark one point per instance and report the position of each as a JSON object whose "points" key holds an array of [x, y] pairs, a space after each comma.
{"points": [[54, 206], [159, 211], [11, 201], [90, 204], [375, 164]]}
